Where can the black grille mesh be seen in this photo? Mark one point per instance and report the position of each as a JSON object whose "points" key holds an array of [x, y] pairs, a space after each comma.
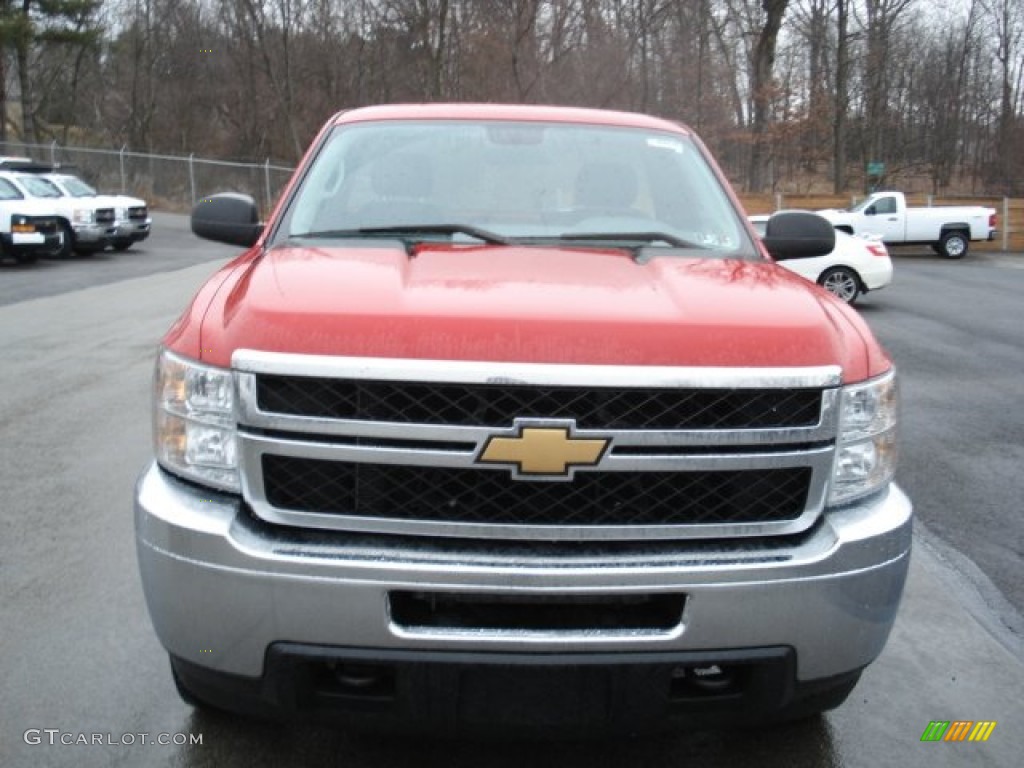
{"points": [[44, 225], [435, 494], [497, 405]]}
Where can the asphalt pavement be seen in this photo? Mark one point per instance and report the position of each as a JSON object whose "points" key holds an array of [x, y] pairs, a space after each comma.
{"points": [[956, 332], [170, 247], [78, 657]]}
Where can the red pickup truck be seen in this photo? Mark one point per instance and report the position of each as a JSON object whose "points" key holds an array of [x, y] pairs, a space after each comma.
{"points": [[506, 420]]}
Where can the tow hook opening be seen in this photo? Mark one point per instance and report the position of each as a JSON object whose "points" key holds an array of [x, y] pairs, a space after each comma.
{"points": [[348, 679], [708, 680]]}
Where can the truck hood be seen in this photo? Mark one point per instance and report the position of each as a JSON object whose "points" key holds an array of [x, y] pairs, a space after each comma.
{"points": [[32, 206], [99, 201], [126, 201], [526, 304]]}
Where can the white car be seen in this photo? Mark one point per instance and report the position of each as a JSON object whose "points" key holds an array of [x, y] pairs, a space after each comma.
{"points": [[855, 266]]}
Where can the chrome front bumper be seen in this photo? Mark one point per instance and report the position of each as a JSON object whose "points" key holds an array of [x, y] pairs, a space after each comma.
{"points": [[222, 588], [136, 231], [93, 234]]}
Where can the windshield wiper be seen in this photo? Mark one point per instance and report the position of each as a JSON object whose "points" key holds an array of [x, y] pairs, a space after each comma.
{"points": [[618, 238], [410, 234], [484, 235]]}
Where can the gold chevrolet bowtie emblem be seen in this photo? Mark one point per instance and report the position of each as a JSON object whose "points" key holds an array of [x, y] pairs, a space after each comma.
{"points": [[543, 451]]}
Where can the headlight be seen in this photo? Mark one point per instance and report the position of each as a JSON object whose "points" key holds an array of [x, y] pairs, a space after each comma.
{"points": [[194, 421], [83, 216], [866, 448]]}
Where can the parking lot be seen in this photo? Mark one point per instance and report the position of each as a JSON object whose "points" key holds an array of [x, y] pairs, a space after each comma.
{"points": [[79, 657]]}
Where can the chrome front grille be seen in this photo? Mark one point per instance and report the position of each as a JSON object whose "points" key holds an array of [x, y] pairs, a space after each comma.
{"points": [[46, 225], [396, 446]]}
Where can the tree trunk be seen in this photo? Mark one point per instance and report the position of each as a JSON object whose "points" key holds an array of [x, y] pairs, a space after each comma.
{"points": [[21, 50], [841, 105], [762, 88], [3, 96]]}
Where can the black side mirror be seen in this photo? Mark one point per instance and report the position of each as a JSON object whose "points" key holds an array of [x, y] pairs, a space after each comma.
{"points": [[227, 218], [798, 235], [870, 211]]}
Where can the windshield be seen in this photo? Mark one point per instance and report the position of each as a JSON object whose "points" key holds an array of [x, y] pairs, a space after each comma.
{"points": [[38, 187], [76, 187], [515, 182]]}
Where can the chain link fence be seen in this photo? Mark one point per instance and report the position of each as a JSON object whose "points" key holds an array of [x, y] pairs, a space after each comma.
{"points": [[166, 182], [176, 182]]}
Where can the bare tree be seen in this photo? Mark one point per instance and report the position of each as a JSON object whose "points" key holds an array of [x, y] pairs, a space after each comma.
{"points": [[778, 89], [811, 23], [1007, 22], [841, 96], [946, 76], [762, 90], [274, 26], [882, 19]]}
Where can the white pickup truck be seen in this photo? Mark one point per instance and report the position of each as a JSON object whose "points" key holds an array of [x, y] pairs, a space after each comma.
{"points": [[947, 229]]}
